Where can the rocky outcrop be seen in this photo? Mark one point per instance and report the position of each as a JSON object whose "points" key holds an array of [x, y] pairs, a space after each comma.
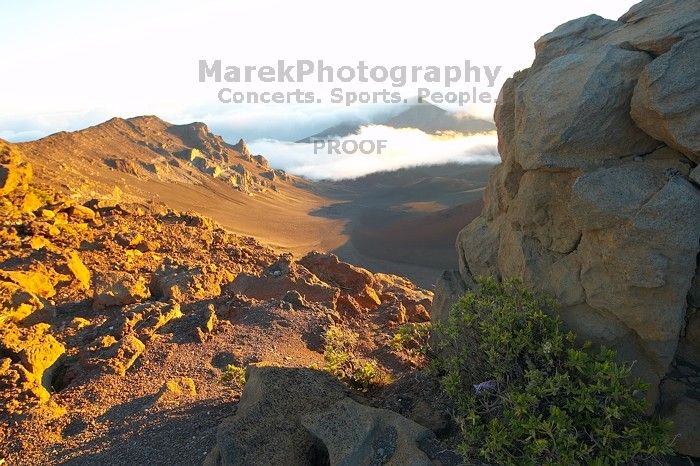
{"points": [[594, 201], [126, 166], [242, 148], [14, 173], [350, 279], [145, 319], [105, 355], [283, 276], [267, 427], [351, 291]]}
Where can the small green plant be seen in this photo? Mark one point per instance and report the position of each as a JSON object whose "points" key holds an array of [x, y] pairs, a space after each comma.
{"points": [[340, 360], [368, 374], [233, 375], [526, 394], [412, 339], [338, 352]]}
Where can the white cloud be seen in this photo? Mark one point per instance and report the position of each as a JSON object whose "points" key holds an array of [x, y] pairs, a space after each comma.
{"points": [[406, 147]]}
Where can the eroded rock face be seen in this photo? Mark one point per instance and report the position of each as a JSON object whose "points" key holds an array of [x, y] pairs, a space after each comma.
{"points": [[596, 201], [574, 131]]}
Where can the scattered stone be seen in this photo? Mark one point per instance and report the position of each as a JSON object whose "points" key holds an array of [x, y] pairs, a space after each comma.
{"points": [[35, 282], [120, 356], [78, 323], [31, 202], [119, 289], [16, 303], [38, 242], [78, 269], [176, 389], [82, 213], [210, 320], [294, 298], [145, 319], [184, 284], [129, 239]]}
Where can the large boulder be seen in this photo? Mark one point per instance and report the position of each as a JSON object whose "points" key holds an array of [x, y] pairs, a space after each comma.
{"points": [[267, 428], [575, 132], [357, 434], [297, 416], [656, 25], [597, 198], [666, 100]]}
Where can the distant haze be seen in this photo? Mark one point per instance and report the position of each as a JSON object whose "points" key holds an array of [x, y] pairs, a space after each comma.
{"points": [[406, 147]]}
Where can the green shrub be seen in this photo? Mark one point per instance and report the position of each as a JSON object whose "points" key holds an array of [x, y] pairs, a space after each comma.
{"points": [[340, 360], [233, 375], [412, 339], [525, 393]]}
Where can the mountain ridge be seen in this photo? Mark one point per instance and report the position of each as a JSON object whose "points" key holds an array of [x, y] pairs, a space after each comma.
{"points": [[424, 116]]}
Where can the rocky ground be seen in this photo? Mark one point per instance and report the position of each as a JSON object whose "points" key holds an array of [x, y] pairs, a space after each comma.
{"points": [[123, 328]]}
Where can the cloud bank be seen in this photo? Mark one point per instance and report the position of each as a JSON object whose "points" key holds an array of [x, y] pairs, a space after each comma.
{"points": [[405, 147]]}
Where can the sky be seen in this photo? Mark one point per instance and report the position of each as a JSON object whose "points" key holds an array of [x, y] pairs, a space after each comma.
{"points": [[75, 63]]}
